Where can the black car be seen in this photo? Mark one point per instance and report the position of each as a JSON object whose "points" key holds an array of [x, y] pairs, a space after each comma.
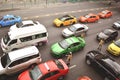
{"points": [[107, 35], [116, 25], [103, 64]]}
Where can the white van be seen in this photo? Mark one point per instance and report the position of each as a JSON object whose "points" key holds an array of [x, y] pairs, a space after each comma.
{"points": [[22, 37], [19, 60]]}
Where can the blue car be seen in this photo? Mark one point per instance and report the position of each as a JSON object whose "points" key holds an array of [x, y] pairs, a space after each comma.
{"points": [[9, 20]]}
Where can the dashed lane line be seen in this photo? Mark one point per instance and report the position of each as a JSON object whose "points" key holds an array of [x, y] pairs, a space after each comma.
{"points": [[73, 66], [85, 10]]}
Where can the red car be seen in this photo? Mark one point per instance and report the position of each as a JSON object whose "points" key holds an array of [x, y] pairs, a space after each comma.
{"points": [[89, 18], [50, 70], [105, 14], [84, 78]]}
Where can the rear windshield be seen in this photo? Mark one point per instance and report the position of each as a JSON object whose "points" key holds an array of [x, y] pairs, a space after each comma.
{"points": [[59, 64]]}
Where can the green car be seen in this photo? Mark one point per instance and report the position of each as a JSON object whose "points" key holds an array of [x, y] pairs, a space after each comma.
{"points": [[70, 44]]}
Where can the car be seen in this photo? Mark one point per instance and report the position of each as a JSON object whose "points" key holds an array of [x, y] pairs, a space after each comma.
{"points": [[116, 25], [27, 23], [8, 20], [103, 64], [107, 35], [84, 78], [66, 46], [114, 48], [89, 18], [18, 60], [105, 14], [49, 70], [76, 29], [65, 20]]}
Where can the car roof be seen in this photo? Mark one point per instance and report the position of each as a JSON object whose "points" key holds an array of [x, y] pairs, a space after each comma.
{"points": [[24, 52], [27, 22], [79, 25], [8, 16], [72, 40], [48, 66], [23, 31]]}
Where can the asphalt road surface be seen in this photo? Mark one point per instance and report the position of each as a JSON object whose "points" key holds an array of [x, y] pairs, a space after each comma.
{"points": [[46, 16]]}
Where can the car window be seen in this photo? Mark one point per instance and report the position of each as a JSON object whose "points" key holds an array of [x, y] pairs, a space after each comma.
{"points": [[35, 73], [64, 44], [27, 25], [19, 24], [6, 39], [72, 28], [59, 64], [13, 42], [11, 18], [117, 43], [49, 75], [17, 62], [80, 29], [5, 19], [76, 44], [5, 60]]}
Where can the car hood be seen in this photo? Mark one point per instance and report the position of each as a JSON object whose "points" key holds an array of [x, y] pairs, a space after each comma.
{"points": [[24, 76], [56, 49], [114, 47], [82, 18], [102, 35], [57, 21], [68, 32], [13, 27]]}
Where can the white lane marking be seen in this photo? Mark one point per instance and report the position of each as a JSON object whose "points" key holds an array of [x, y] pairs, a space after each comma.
{"points": [[70, 12], [73, 66]]}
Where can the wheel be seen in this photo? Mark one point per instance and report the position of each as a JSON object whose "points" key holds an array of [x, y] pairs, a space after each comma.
{"points": [[106, 78], [61, 25], [0, 26], [61, 78], [14, 49], [73, 23], [3, 77], [88, 62]]}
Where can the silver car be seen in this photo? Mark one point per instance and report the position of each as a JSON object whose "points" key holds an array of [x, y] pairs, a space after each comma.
{"points": [[18, 60], [116, 25], [75, 29]]}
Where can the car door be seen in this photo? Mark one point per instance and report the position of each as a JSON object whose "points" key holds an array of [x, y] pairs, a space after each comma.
{"points": [[73, 47], [12, 20], [79, 31], [6, 22]]}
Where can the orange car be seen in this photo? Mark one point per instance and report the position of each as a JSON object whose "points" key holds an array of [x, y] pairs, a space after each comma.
{"points": [[89, 18], [105, 14], [84, 78]]}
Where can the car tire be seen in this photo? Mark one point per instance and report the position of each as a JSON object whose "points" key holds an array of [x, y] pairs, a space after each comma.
{"points": [[106, 78], [3, 77], [61, 25], [88, 61], [61, 78], [73, 23], [0, 26], [14, 49]]}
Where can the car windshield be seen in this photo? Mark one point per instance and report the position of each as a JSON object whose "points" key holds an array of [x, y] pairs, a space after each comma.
{"points": [[87, 16], [35, 73], [18, 25], [62, 18], [59, 64], [117, 43], [104, 12], [6, 39], [5, 60], [72, 28], [107, 32], [64, 44], [112, 64]]}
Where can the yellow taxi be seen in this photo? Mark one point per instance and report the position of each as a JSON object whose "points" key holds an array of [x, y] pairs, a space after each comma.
{"points": [[65, 20], [114, 48]]}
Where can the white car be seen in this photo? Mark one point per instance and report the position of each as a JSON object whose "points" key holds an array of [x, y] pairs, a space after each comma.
{"points": [[18, 60], [75, 29], [27, 23]]}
